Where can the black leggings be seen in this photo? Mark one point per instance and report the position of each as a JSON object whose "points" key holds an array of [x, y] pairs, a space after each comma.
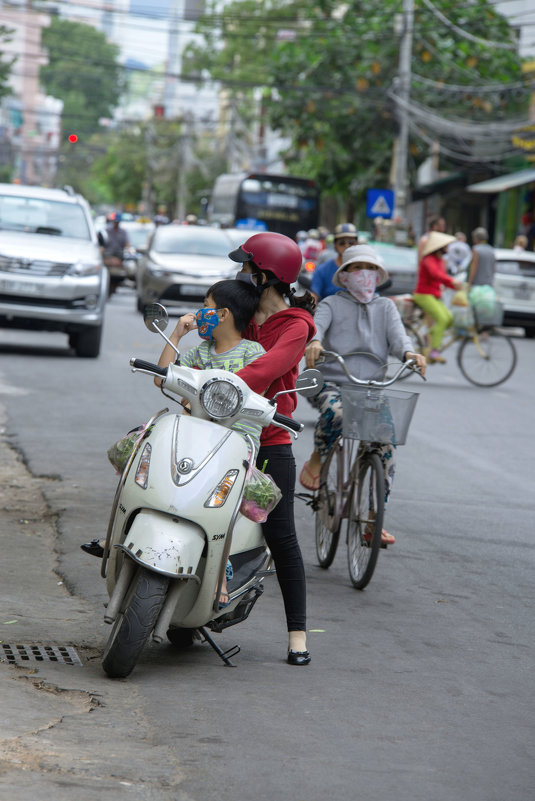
{"points": [[280, 535]]}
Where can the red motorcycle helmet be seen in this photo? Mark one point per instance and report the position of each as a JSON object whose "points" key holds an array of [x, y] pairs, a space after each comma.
{"points": [[275, 253]]}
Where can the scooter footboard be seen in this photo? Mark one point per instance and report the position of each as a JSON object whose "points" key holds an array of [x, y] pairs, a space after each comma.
{"points": [[169, 545]]}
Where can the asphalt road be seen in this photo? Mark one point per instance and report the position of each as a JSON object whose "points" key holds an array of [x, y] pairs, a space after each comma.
{"points": [[421, 687]]}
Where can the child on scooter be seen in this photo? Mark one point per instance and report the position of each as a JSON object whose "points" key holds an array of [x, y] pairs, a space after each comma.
{"points": [[228, 308]]}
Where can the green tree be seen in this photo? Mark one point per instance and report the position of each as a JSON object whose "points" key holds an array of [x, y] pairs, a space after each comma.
{"points": [[326, 69], [5, 65], [118, 172], [83, 71]]}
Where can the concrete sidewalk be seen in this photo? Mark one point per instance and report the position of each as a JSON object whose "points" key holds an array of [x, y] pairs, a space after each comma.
{"points": [[66, 730]]}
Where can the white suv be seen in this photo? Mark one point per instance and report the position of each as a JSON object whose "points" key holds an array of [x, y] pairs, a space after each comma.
{"points": [[51, 272]]}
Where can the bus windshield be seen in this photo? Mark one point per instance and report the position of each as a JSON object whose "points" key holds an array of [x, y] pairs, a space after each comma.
{"points": [[284, 204]]}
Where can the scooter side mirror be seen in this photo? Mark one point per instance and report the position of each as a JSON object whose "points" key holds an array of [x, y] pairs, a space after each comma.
{"points": [[309, 383], [155, 317]]}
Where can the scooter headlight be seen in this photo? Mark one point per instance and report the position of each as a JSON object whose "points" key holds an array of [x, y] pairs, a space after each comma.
{"points": [[220, 398]]}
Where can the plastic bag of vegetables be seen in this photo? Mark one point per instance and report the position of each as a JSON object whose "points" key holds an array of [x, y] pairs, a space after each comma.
{"points": [[119, 453], [260, 495]]}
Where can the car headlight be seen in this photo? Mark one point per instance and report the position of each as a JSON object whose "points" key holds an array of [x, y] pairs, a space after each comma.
{"points": [[85, 268], [155, 269], [220, 398]]}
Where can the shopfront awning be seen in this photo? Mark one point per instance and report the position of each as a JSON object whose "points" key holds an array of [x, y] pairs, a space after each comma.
{"points": [[441, 185], [503, 182]]}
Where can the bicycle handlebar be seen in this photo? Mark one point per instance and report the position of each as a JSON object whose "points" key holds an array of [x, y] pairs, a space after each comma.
{"points": [[408, 365]]}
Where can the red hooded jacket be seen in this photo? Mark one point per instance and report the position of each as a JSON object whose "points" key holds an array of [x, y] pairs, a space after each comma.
{"points": [[283, 336]]}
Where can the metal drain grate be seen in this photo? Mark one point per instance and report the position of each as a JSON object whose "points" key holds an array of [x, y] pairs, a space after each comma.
{"points": [[22, 654]]}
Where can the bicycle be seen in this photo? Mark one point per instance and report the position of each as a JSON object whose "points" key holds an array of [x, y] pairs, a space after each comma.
{"points": [[352, 478], [485, 356]]}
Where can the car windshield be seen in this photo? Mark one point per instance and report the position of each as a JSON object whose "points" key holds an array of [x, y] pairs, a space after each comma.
{"points": [[39, 216], [395, 257], [138, 236], [190, 240]]}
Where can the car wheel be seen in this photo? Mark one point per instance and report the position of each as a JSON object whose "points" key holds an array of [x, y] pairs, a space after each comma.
{"points": [[529, 333], [87, 343]]}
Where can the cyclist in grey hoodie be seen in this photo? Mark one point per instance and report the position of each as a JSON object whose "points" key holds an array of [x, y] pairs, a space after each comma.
{"points": [[354, 319]]}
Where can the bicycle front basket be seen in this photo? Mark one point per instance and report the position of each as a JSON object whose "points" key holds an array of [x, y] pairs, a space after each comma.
{"points": [[377, 415]]}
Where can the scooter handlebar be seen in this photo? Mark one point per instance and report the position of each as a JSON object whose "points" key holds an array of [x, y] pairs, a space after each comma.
{"points": [[287, 422], [141, 364]]}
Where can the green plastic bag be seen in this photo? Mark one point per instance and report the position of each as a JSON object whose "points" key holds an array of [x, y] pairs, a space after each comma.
{"points": [[119, 453]]}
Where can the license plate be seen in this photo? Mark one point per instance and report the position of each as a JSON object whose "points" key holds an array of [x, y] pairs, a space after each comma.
{"points": [[20, 287], [191, 289], [522, 293]]}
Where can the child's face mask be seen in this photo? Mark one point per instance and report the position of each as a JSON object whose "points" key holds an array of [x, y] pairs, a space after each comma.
{"points": [[207, 320], [360, 283]]}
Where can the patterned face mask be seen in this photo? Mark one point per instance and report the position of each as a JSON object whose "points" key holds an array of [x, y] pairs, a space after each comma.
{"points": [[360, 283], [207, 320]]}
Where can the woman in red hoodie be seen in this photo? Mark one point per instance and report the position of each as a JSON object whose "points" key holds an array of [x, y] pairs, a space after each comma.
{"points": [[283, 325], [432, 276]]}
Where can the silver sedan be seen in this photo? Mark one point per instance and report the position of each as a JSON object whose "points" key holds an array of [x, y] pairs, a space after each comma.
{"points": [[181, 262]]}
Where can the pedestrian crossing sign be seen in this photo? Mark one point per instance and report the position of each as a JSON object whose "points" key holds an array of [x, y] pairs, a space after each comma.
{"points": [[380, 203]]}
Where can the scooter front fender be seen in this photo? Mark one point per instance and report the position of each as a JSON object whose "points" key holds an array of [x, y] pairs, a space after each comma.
{"points": [[166, 544]]}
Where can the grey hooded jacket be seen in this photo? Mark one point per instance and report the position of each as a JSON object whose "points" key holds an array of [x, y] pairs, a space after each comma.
{"points": [[343, 324]]}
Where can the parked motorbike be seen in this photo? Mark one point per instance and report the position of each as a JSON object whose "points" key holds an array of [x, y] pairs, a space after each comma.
{"points": [[176, 520]]}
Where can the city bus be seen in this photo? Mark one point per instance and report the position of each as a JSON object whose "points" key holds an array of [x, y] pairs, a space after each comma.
{"points": [[264, 202]]}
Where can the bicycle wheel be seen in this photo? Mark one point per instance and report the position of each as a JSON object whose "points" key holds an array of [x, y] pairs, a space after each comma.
{"points": [[328, 507], [365, 520], [487, 360]]}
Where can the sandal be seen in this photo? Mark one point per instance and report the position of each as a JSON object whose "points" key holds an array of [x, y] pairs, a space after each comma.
{"points": [[95, 548], [386, 538], [223, 604], [308, 480]]}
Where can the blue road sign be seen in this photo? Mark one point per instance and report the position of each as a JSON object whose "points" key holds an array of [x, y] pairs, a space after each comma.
{"points": [[380, 203]]}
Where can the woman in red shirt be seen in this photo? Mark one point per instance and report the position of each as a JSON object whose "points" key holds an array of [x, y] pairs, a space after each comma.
{"points": [[283, 325], [432, 276]]}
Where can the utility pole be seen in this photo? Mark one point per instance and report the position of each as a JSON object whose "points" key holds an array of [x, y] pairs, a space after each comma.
{"points": [[403, 90]]}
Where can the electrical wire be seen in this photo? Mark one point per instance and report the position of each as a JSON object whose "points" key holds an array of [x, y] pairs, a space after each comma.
{"points": [[465, 34]]}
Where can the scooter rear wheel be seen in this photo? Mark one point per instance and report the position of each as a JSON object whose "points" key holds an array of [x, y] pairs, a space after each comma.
{"points": [[134, 624]]}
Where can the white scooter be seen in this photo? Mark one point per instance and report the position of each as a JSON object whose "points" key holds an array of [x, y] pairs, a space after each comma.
{"points": [[175, 519]]}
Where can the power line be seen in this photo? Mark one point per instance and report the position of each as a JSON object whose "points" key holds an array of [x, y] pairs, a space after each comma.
{"points": [[465, 34]]}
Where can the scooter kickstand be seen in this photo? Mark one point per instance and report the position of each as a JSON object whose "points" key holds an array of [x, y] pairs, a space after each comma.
{"points": [[224, 655]]}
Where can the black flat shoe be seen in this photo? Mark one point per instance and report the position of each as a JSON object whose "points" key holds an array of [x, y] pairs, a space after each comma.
{"points": [[298, 657], [94, 548]]}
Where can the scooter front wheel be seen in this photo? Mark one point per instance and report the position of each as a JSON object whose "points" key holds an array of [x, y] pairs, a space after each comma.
{"points": [[134, 624]]}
